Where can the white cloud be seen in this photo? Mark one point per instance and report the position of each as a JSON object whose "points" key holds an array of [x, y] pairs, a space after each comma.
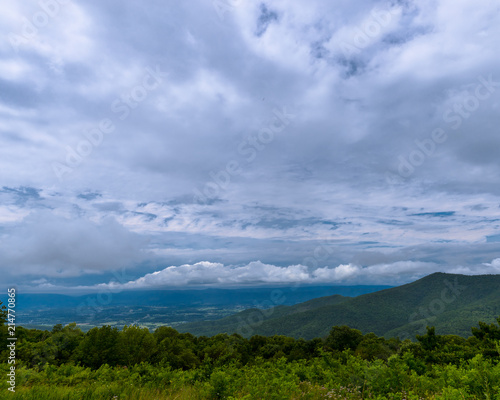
{"points": [[209, 273], [342, 272], [493, 267], [46, 244], [256, 272]]}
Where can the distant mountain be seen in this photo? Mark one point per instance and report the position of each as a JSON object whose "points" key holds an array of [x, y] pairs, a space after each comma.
{"points": [[451, 303], [153, 308], [249, 296], [251, 321]]}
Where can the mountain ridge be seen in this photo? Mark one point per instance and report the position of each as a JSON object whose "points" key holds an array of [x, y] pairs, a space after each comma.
{"points": [[450, 302]]}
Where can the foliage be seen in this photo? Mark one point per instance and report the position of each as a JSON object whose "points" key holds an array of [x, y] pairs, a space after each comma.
{"points": [[453, 303], [344, 338], [133, 363], [3, 314]]}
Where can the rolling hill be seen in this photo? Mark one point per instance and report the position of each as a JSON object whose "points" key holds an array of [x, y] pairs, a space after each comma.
{"points": [[452, 303], [153, 308], [248, 296]]}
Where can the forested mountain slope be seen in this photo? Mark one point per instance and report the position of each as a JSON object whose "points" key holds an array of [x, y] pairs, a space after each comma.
{"points": [[449, 302]]}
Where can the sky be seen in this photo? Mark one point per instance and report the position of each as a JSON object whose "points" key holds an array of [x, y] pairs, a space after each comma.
{"points": [[231, 142]]}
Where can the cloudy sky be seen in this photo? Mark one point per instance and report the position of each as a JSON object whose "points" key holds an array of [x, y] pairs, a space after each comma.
{"points": [[226, 142]]}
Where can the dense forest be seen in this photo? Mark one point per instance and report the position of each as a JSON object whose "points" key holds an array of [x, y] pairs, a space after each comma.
{"points": [[450, 302], [133, 363]]}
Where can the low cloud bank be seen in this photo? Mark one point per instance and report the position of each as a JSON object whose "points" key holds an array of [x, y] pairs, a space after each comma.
{"points": [[256, 272]]}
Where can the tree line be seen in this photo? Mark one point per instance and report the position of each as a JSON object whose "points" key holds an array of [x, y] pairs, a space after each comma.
{"points": [[213, 367]]}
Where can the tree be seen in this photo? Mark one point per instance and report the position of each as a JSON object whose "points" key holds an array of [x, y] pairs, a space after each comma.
{"points": [[489, 338], [372, 347], [3, 329], [136, 345], [485, 331], [343, 338], [100, 346], [163, 332], [177, 353], [57, 328], [67, 339], [430, 340], [3, 314]]}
